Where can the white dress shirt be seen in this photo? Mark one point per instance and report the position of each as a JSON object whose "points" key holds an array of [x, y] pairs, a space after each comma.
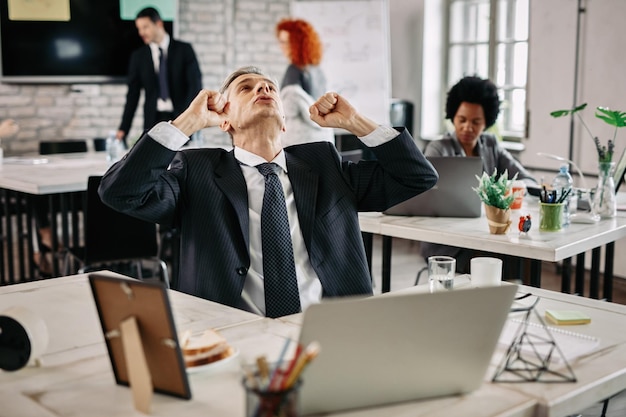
{"points": [[309, 285]]}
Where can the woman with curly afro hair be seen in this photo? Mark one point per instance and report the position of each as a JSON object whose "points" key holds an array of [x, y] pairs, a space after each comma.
{"points": [[303, 82], [472, 106]]}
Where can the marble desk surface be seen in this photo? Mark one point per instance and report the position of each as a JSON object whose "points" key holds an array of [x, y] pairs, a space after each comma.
{"points": [[599, 373], [474, 233], [49, 174], [75, 377]]}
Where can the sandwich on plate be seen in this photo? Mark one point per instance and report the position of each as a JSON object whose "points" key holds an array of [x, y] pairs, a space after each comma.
{"points": [[208, 348]]}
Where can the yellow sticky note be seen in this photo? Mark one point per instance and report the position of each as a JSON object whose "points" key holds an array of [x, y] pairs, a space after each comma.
{"points": [[567, 317]]}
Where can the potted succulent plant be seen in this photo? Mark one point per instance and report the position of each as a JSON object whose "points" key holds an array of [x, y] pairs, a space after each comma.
{"points": [[495, 192], [604, 202]]}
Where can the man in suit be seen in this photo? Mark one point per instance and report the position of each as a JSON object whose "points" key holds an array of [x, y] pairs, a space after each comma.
{"points": [[164, 98], [215, 196]]}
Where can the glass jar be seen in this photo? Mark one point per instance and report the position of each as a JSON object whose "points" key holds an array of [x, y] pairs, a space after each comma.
{"points": [[604, 202]]}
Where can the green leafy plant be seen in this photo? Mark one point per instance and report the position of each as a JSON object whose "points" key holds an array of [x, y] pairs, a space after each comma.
{"points": [[614, 118], [495, 190]]}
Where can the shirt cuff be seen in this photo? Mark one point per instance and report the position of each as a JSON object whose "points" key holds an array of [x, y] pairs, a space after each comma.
{"points": [[382, 134], [168, 135]]}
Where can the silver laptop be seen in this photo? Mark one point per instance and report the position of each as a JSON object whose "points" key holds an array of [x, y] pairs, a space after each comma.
{"points": [[452, 196], [388, 349]]}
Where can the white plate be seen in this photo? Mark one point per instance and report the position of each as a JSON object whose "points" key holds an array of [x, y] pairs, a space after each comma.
{"points": [[217, 365]]}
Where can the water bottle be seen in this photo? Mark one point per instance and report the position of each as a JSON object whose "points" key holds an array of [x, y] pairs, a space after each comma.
{"points": [[563, 183], [114, 148]]}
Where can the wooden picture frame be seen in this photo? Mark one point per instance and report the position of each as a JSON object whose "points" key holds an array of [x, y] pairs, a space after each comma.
{"points": [[141, 337]]}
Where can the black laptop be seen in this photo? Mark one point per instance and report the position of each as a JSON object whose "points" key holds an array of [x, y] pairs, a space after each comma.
{"points": [[452, 196]]}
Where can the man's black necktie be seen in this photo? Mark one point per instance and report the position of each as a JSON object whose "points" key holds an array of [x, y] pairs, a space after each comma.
{"points": [[279, 271], [164, 90]]}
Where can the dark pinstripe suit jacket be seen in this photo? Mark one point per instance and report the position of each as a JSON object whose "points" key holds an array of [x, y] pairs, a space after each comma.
{"points": [[204, 194]]}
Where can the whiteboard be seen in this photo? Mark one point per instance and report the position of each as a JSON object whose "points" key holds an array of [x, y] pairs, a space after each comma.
{"points": [[357, 57]]}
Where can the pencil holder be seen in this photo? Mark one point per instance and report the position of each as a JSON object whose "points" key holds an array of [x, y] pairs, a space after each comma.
{"points": [[272, 403], [550, 217]]}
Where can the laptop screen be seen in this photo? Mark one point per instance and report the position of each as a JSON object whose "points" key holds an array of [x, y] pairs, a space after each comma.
{"points": [[452, 196], [392, 348]]}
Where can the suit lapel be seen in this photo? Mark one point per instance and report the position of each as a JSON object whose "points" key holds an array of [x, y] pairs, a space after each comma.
{"points": [[304, 184], [230, 180]]}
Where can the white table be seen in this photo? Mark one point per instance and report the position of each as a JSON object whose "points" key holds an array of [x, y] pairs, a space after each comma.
{"points": [[473, 233], [599, 374], [76, 377], [25, 179], [50, 174]]}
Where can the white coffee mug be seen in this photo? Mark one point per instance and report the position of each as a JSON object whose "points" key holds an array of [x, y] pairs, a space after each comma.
{"points": [[485, 271]]}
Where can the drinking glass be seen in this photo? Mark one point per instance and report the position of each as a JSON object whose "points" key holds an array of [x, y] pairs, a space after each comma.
{"points": [[441, 270]]}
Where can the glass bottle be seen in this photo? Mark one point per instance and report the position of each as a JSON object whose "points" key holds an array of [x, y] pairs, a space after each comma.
{"points": [[604, 202], [563, 184]]}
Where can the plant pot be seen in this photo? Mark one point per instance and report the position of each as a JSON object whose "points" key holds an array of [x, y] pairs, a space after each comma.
{"points": [[499, 220]]}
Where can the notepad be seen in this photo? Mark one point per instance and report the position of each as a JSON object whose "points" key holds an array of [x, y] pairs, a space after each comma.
{"points": [[566, 317], [572, 344]]}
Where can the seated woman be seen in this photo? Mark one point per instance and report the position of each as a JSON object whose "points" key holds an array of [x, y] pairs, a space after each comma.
{"points": [[472, 106]]}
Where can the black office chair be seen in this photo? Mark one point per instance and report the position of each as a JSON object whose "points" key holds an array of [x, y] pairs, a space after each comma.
{"points": [[62, 146], [99, 144], [113, 239], [401, 114]]}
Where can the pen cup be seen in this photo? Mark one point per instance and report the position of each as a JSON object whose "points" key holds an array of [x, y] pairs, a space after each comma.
{"points": [[550, 217], [261, 402]]}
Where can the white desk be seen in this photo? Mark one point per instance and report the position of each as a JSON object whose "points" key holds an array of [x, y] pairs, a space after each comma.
{"points": [[473, 233], [22, 181], [61, 173], [599, 374], [76, 376]]}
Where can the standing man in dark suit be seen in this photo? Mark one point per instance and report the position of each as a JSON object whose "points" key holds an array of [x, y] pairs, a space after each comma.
{"points": [[217, 197], [165, 68]]}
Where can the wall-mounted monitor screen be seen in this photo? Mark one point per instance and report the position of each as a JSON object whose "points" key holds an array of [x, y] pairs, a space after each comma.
{"points": [[71, 41]]}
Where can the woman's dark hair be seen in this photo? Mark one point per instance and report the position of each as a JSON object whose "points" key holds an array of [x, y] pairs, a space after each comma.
{"points": [[475, 90]]}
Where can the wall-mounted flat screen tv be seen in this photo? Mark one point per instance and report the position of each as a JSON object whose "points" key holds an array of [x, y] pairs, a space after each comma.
{"points": [[71, 41]]}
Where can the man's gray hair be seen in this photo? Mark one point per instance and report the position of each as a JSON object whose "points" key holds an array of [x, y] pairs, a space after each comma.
{"points": [[243, 71]]}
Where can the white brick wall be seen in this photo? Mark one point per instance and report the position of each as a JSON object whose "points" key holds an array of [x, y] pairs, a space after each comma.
{"points": [[225, 34]]}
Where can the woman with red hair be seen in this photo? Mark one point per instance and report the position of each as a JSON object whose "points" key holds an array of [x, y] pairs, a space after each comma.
{"points": [[303, 83]]}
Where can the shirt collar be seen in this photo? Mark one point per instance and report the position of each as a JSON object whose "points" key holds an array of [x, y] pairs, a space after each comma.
{"points": [[165, 43], [248, 158]]}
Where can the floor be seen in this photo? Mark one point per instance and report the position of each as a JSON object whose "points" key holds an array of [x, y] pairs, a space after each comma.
{"points": [[406, 262]]}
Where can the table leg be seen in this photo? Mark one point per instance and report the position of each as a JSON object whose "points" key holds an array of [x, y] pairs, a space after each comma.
{"points": [[594, 279], [580, 274], [386, 278], [535, 273], [4, 241], [55, 236], [21, 233], [30, 235], [609, 256], [566, 276]]}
